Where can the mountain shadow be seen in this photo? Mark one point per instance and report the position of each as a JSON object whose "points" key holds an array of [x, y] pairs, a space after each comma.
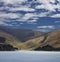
{"points": [[7, 47], [2, 39], [47, 48]]}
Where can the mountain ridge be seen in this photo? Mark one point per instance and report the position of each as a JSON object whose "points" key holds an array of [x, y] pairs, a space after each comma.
{"points": [[50, 40]]}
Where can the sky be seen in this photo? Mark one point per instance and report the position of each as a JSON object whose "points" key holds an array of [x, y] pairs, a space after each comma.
{"points": [[43, 15]]}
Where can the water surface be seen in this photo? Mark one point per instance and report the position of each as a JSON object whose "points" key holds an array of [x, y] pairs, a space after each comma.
{"points": [[29, 56]]}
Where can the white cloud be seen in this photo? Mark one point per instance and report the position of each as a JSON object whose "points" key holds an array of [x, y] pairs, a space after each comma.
{"points": [[22, 8], [52, 1], [44, 27], [45, 5], [44, 14], [56, 6], [31, 16], [32, 21], [9, 15], [1, 22], [12, 1], [58, 0], [56, 16], [43, 30], [28, 16]]}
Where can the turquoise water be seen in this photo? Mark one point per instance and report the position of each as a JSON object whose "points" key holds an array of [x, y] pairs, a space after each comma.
{"points": [[29, 56]]}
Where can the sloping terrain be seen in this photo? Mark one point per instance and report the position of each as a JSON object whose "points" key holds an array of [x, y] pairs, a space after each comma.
{"points": [[22, 34], [20, 37], [7, 39], [31, 40], [45, 42], [53, 39]]}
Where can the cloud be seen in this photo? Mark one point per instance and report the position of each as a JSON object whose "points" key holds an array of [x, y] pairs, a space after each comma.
{"points": [[28, 16], [1, 22], [56, 16], [14, 9], [50, 5], [43, 30], [9, 15], [45, 5], [12, 1], [44, 27], [33, 16], [22, 8], [32, 22], [57, 22]]}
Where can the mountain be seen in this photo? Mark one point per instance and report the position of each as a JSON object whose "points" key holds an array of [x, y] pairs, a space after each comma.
{"points": [[17, 37], [22, 34], [52, 41], [26, 39], [48, 41], [7, 41]]}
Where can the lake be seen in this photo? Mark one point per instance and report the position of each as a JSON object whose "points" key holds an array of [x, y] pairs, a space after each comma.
{"points": [[29, 56]]}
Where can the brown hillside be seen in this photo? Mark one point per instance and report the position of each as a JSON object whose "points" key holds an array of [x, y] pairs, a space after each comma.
{"points": [[53, 39], [49, 40], [6, 38]]}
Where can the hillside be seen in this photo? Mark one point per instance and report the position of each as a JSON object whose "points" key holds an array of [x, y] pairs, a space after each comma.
{"points": [[22, 34], [53, 39], [50, 41], [7, 39], [31, 40], [18, 37]]}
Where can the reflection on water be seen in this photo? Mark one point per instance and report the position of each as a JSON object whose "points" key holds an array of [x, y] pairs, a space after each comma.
{"points": [[29, 56]]}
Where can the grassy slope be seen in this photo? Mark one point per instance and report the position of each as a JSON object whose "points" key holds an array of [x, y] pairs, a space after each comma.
{"points": [[52, 39], [9, 39], [32, 43], [22, 34]]}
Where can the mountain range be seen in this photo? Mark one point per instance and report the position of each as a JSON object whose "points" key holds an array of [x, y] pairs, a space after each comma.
{"points": [[27, 39]]}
